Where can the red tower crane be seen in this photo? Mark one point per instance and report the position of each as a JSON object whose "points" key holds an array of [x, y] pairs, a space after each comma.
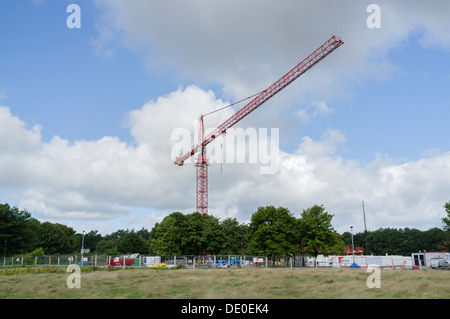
{"points": [[202, 162]]}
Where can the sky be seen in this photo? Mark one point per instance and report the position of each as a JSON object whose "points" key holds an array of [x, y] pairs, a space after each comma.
{"points": [[87, 114]]}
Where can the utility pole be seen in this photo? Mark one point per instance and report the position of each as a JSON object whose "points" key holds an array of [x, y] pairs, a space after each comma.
{"points": [[364, 215]]}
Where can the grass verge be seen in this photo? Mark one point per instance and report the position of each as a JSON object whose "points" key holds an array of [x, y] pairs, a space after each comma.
{"points": [[228, 283]]}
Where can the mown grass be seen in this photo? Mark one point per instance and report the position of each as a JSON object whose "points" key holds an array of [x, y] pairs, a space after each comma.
{"points": [[223, 283]]}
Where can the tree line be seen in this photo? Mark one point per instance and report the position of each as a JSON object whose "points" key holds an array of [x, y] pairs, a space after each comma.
{"points": [[271, 232]]}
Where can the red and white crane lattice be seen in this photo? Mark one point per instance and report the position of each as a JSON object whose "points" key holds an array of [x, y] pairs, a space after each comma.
{"points": [[202, 162]]}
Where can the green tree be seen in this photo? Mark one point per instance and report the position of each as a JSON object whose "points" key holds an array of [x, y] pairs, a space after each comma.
{"points": [[213, 235], [107, 246], [143, 233], [202, 234], [121, 242], [167, 237], [38, 252], [410, 241], [235, 237], [390, 241], [446, 220], [56, 238], [71, 239], [376, 243], [317, 235], [394, 241], [118, 234], [358, 238], [91, 239], [433, 238], [151, 236], [445, 244], [133, 243], [17, 229], [273, 232]]}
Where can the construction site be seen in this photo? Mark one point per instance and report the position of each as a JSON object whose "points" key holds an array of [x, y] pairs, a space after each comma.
{"points": [[114, 194]]}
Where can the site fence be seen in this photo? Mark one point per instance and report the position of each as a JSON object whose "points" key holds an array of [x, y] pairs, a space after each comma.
{"points": [[209, 261], [142, 261]]}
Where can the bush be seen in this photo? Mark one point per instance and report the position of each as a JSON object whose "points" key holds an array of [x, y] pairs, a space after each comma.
{"points": [[38, 252]]}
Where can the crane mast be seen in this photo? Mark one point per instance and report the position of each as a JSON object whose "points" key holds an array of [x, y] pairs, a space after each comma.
{"points": [[202, 163]]}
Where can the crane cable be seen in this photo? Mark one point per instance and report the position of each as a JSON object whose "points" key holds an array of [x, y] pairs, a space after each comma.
{"points": [[233, 104], [222, 108]]}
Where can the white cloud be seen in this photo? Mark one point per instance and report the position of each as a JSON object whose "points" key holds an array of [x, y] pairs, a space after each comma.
{"points": [[330, 140], [23, 140], [106, 179], [320, 109], [243, 47]]}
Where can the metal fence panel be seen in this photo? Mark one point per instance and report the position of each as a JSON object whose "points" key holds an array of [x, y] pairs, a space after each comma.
{"points": [[145, 261]]}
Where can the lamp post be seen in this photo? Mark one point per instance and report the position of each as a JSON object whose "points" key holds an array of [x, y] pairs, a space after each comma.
{"points": [[82, 249], [353, 246]]}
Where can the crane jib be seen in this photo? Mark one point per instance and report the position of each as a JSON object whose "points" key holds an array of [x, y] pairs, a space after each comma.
{"points": [[319, 54]]}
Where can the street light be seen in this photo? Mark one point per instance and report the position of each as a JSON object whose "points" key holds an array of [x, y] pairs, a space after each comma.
{"points": [[82, 249], [353, 246]]}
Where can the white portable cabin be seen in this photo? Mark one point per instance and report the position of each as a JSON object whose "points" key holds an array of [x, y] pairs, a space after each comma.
{"points": [[425, 258]]}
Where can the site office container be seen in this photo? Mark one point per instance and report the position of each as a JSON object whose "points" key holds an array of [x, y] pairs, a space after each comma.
{"points": [[427, 259]]}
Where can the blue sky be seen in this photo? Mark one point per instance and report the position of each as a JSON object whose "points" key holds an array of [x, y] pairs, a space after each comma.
{"points": [[406, 115], [385, 92], [53, 75]]}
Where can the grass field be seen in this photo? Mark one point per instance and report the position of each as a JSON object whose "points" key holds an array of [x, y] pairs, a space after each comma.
{"points": [[224, 283]]}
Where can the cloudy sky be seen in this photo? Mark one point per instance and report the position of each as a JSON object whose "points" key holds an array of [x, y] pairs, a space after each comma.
{"points": [[87, 114]]}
